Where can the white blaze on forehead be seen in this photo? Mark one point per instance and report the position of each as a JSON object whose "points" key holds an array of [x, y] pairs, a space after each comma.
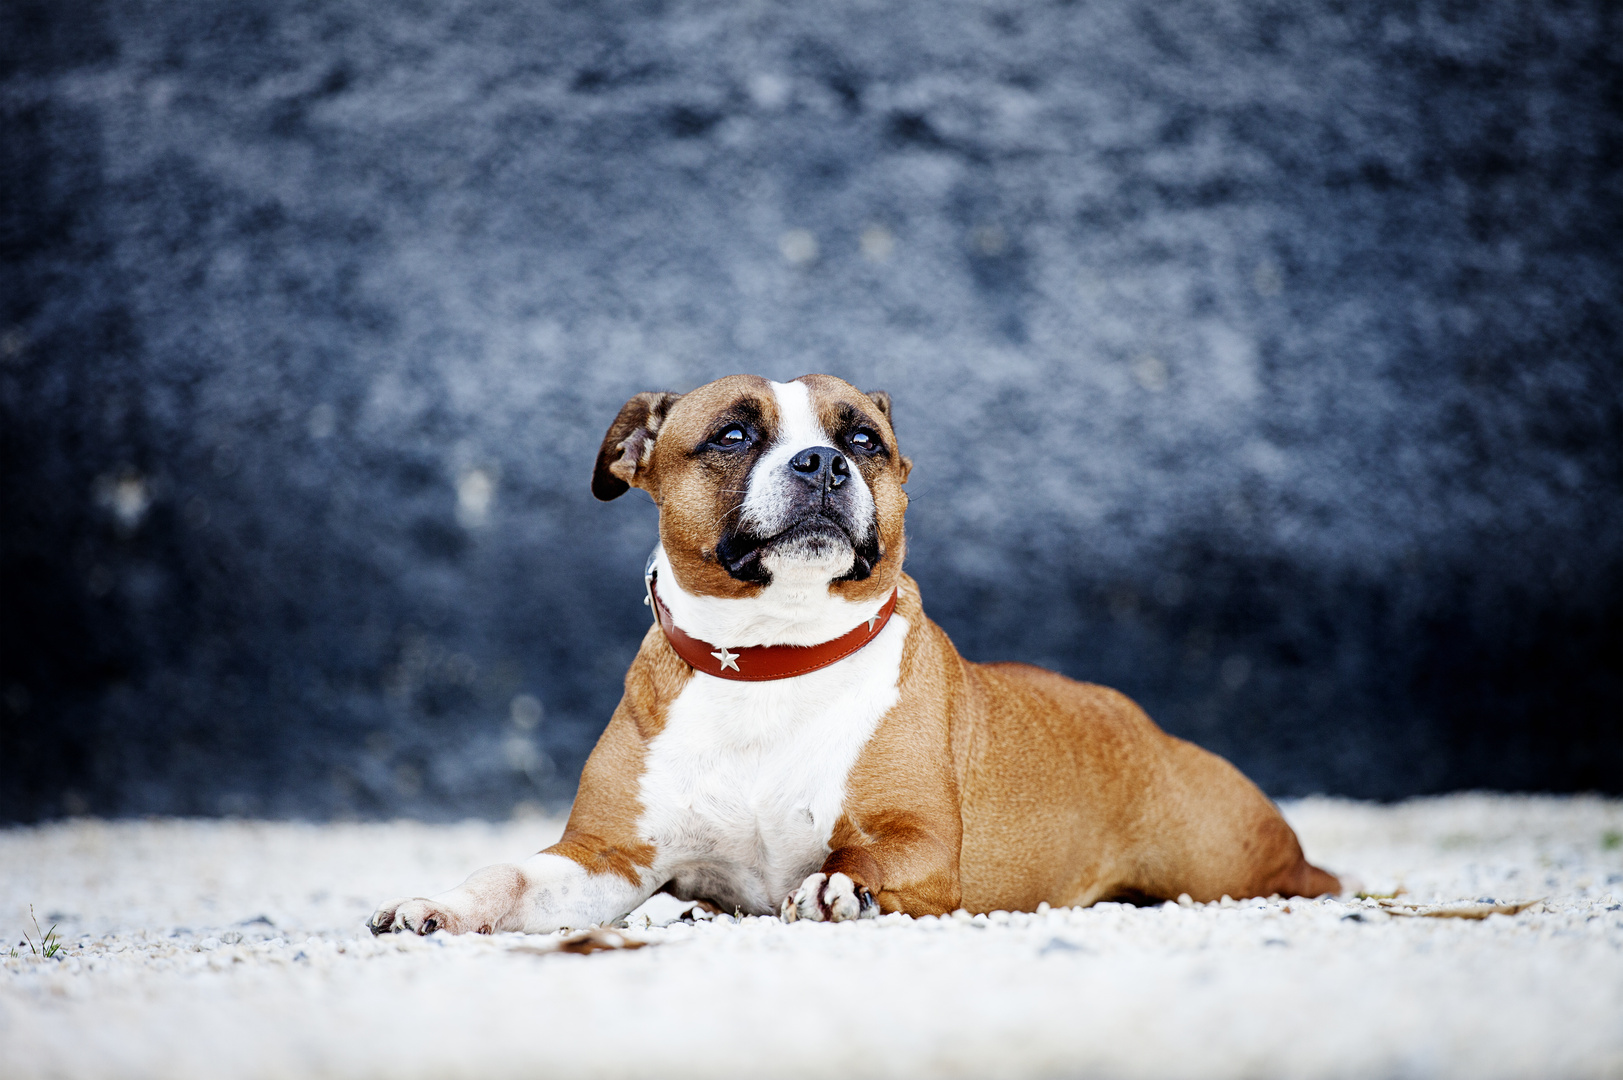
{"points": [[798, 425], [767, 498]]}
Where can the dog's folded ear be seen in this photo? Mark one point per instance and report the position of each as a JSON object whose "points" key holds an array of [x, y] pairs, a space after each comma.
{"points": [[624, 454], [882, 399]]}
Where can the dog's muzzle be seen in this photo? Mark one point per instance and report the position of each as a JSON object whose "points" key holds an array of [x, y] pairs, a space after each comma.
{"points": [[819, 497]]}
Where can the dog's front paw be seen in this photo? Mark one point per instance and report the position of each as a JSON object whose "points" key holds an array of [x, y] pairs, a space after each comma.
{"points": [[418, 916], [829, 898]]}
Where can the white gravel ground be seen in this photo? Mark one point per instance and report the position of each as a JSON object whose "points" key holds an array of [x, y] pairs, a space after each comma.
{"points": [[236, 949]]}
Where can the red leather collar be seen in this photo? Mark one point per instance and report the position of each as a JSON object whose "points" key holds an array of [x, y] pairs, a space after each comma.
{"points": [[764, 663]]}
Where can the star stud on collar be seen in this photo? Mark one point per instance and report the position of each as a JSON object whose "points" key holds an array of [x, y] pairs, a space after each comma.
{"points": [[871, 622], [728, 659]]}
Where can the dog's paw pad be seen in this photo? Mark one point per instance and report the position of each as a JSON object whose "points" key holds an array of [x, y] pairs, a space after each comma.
{"points": [[829, 898]]}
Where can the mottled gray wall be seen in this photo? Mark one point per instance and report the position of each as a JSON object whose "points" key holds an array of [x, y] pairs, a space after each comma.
{"points": [[1259, 359]]}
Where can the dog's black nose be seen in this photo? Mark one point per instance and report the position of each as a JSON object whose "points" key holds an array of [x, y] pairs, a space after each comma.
{"points": [[823, 466]]}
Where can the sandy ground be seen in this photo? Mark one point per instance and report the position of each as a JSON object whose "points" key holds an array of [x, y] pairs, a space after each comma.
{"points": [[236, 949]]}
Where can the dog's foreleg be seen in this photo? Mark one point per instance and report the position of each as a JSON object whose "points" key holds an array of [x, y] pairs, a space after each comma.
{"points": [[599, 871], [546, 892]]}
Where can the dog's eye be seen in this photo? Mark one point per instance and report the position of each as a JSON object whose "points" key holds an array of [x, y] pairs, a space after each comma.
{"points": [[864, 440], [733, 436]]}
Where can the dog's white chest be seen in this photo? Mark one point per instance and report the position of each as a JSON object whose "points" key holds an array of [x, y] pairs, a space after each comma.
{"points": [[742, 788]]}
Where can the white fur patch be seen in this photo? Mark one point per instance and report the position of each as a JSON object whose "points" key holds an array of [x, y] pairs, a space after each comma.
{"points": [[743, 786], [562, 894], [767, 498], [789, 611]]}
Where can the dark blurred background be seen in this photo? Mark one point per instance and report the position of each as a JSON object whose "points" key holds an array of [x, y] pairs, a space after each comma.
{"points": [[1260, 359]]}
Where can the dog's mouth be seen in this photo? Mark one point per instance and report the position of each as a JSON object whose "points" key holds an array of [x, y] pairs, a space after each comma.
{"points": [[815, 535]]}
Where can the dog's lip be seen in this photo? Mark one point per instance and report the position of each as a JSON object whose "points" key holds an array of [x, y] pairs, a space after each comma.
{"points": [[814, 518]]}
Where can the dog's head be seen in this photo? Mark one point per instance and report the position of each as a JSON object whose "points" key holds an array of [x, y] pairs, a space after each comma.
{"points": [[759, 482]]}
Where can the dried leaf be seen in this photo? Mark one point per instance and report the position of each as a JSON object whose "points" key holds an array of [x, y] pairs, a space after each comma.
{"points": [[599, 940], [588, 941]]}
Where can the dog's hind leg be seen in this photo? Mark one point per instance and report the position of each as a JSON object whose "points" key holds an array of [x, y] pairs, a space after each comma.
{"points": [[1215, 834]]}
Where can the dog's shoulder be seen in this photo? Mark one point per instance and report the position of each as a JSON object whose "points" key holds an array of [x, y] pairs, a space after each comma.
{"points": [[654, 681]]}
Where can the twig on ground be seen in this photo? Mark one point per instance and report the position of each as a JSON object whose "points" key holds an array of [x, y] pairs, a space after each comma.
{"points": [[1479, 909]]}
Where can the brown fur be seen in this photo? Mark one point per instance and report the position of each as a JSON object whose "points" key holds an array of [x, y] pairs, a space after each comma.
{"points": [[987, 786], [601, 833]]}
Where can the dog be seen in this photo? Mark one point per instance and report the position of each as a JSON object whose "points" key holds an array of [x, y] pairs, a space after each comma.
{"points": [[797, 737]]}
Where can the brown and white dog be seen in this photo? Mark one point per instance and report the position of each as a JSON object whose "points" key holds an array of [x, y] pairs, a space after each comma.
{"points": [[863, 766]]}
